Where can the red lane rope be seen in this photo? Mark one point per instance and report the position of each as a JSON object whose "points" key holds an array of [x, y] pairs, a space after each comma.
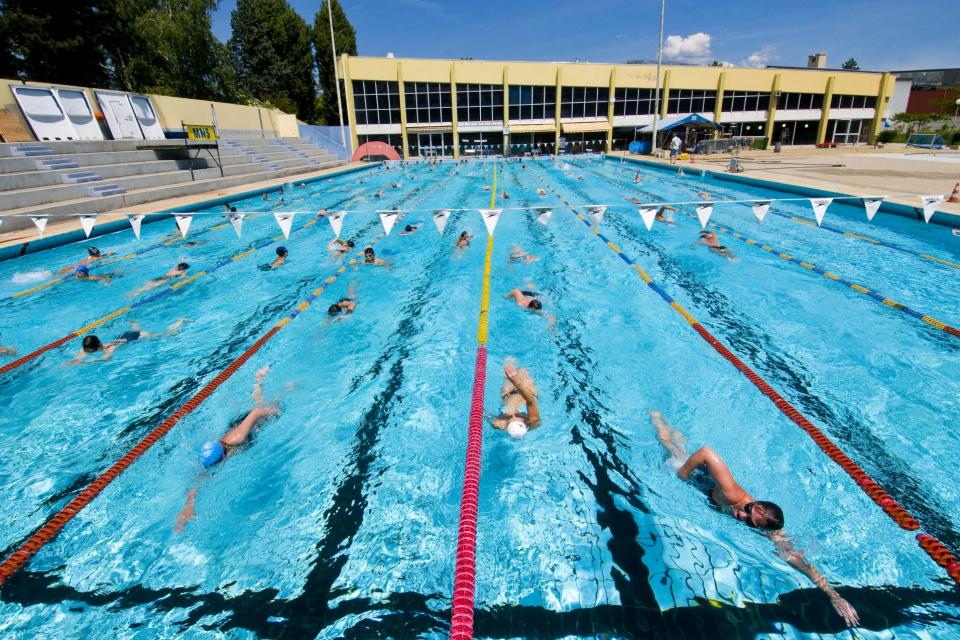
{"points": [[461, 627], [10, 366], [19, 558]]}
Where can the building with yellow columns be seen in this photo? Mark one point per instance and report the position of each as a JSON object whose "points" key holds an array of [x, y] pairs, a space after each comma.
{"points": [[470, 107]]}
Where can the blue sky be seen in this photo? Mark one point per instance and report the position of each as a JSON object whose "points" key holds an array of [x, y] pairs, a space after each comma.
{"points": [[881, 34]]}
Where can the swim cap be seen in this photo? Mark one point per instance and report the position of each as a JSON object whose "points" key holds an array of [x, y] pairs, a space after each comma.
{"points": [[83, 270], [93, 251], [517, 428], [281, 251], [211, 453]]}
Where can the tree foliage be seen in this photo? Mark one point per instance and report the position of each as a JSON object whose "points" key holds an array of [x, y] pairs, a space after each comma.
{"points": [[851, 65], [345, 39], [273, 57]]}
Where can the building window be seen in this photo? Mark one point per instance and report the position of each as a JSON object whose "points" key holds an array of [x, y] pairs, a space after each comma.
{"points": [[745, 101], [791, 101], [634, 102], [853, 102], [691, 101], [376, 102], [584, 102], [394, 140], [533, 103], [427, 102], [480, 103]]}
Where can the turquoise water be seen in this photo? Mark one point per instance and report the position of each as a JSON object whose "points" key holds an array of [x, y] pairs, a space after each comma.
{"points": [[339, 520]]}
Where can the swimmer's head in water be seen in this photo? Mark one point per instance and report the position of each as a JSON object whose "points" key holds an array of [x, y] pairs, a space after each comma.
{"points": [[409, 227], [282, 252], [94, 252], [91, 344], [333, 309], [351, 244], [517, 428], [233, 209], [211, 453], [82, 271], [535, 304], [369, 253], [183, 266], [760, 514], [464, 235]]}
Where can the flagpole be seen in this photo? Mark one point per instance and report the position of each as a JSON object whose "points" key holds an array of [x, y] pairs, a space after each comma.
{"points": [[336, 76], [656, 102]]}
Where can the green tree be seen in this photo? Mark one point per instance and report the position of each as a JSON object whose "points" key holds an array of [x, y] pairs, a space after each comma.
{"points": [[851, 65], [57, 42], [346, 40], [273, 57]]}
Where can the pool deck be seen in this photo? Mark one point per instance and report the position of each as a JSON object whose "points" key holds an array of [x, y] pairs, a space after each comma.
{"points": [[20, 236], [895, 171]]}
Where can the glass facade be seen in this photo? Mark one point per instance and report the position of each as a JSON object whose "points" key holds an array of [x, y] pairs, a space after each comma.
{"points": [[799, 101], [429, 145], [584, 102], [745, 101], [427, 102], [479, 103], [531, 102], [376, 102], [634, 102], [691, 101], [853, 102]]}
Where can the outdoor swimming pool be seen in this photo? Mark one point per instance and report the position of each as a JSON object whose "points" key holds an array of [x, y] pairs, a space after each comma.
{"points": [[340, 520]]}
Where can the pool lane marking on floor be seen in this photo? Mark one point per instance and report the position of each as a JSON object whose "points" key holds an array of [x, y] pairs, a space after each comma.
{"points": [[153, 297], [54, 525], [811, 223], [464, 581], [931, 545]]}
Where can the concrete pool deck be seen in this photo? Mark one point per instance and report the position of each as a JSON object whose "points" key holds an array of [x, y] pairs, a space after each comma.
{"points": [[898, 172], [60, 227]]}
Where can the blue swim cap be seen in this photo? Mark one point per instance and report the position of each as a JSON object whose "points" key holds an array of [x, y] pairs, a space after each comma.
{"points": [[83, 269], [211, 453], [281, 251]]}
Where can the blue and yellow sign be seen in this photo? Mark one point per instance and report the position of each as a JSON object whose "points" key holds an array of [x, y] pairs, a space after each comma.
{"points": [[201, 132]]}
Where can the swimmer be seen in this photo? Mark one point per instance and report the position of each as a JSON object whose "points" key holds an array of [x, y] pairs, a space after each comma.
{"points": [[504, 195], [83, 273], [345, 306], [410, 229], [265, 197], [213, 452], [518, 390], [340, 247], [7, 351], [92, 344], [177, 272], [320, 214], [93, 254], [705, 196], [517, 254], [710, 473], [463, 241], [486, 187], [301, 185], [636, 178], [542, 193], [282, 254], [661, 215], [710, 239], [370, 258], [378, 194], [529, 299]]}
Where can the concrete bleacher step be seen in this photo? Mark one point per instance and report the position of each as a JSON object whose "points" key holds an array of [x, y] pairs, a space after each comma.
{"points": [[102, 190], [56, 163], [78, 177], [31, 150]]}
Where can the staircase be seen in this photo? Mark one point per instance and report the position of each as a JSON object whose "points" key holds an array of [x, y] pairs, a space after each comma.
{"points": [[59, 178]]}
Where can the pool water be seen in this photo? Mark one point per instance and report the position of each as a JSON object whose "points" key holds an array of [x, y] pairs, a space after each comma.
{"points": [[339, 519]]}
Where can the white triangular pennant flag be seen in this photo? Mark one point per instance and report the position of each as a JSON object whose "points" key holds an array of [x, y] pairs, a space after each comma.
{"points": [[490, 218], [87, 223], [135, 221], [336, 221], [929, 205], [872, 204], [703, 214], [285, 222], [183, 222], [41, 222], [648, 214], [820, 207], [440, 219], [544, 216], [236, 221], [760, 208], [596, 213], [388, 219]]}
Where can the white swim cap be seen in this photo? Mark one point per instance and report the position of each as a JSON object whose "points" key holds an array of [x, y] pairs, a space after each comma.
{"points": [[517, 428]]}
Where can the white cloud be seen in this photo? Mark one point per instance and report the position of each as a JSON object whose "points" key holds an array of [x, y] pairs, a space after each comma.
{"points": [[694, 48], [763, 57]]}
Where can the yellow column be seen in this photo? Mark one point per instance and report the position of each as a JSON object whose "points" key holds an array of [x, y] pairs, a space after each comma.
{"points": [[772, 108], [664, 93], [348, 92], [453, 110], [613, 89], [556, 118], [403, 111], [883, 95], [825, 111], [718, 108], [506, 108]]}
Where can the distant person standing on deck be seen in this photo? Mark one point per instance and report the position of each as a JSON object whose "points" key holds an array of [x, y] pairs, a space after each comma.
{"points": [[710, 473], [675, 144]]}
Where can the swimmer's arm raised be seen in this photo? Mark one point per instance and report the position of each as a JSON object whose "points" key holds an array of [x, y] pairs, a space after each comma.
{"points": [[533, 408], [798, 561], [716, 467]]}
